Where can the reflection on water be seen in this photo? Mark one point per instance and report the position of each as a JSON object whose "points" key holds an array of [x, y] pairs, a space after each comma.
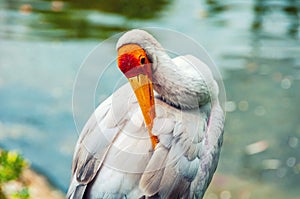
{"points": [[268, 10], [215, 6], [255, 44], [77, 19]]}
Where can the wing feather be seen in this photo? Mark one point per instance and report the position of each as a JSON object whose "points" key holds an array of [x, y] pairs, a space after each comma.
{"points": [[179, 163], [150, 180], [87, 161], [95, 141]]}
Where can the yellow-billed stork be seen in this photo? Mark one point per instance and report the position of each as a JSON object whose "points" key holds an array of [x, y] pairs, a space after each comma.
{"points": [[158, 136]]}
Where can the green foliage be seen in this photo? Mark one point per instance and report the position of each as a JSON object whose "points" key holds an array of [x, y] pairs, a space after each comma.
{"points": [[11, 167], [23, 194]]}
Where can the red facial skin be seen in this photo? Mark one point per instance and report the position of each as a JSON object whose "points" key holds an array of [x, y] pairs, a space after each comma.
{"points": [[133, 61]]}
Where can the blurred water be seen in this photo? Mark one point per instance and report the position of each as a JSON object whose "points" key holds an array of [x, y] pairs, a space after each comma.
{"points": [[254, 43]]}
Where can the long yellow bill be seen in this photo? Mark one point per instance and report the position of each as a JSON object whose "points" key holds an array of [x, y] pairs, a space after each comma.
{"points": [[143, 90]]}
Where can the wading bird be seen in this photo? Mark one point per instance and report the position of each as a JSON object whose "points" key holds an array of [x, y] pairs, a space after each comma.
{"points": [[158, 136]]}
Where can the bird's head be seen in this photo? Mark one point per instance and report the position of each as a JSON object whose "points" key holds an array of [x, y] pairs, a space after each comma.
{"points": [[136, 66], [133, 61]]}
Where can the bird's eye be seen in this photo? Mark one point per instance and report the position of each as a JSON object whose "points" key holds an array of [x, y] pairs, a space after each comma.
{"points": [[142, 60]]}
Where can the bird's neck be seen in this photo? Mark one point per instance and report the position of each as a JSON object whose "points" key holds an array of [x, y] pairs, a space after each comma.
{"points": [[176, 84]]}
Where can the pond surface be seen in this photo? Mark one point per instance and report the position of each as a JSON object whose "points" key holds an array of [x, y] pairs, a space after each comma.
{"points": [[255, 44]]}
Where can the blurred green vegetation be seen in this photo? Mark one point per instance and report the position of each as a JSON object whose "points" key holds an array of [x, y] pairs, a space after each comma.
{"points": [[131, 9], [80, 19], [11, 167]]}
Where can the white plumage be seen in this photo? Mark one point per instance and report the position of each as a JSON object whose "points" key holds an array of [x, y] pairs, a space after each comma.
{"points": [[114, 156]]}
